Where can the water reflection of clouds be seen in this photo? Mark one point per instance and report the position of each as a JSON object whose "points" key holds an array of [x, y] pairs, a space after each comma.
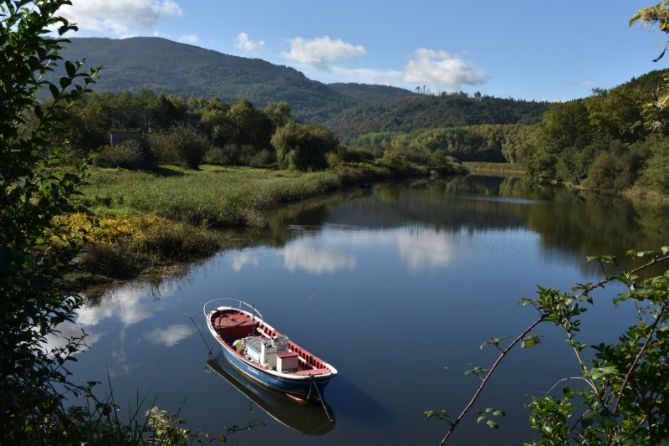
{"points": [[308, 254], [425, 249], [244, 258], [418, 248], [70, 330], [128, 303], [170, 335]]}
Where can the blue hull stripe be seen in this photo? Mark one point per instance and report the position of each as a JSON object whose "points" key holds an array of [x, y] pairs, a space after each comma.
{"points": [[294, 387]]}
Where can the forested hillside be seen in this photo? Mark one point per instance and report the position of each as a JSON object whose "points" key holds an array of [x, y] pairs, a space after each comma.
{"points": [[163, 66], [366, 93], [485, 142], [426, 111], [612, 140]]}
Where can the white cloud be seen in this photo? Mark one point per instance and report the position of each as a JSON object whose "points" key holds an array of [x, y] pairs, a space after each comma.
{"points": [[240, 260], [321, 52], [244, 43], [436, 69], [189, 38], [441, 71], [170, 335], [307, 255], [120, 17]]}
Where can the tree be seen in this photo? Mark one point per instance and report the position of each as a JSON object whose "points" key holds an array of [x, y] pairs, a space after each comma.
{"points": [[278, 113], [565, 125], [620, 395], [657, 15], [252, 127], [32, 193], [303, 147]]}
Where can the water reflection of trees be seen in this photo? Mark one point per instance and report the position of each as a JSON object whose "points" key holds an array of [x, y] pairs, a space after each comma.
{"points": [[574, 223], [570, 223]]}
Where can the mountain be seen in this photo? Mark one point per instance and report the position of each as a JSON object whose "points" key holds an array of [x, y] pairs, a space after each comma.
{"points": [[175, 68], [366, 93], [169, 67]]}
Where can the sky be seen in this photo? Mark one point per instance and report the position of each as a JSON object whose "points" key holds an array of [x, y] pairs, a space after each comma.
{"points": [[529, 49]]}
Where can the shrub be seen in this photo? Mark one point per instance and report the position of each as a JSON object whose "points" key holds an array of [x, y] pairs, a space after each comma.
{"points": [[446, 164], [618, 167], [398, 163], [356, 155], [655, 172], [129, 155], [246, 154], [217, 155], [263, 158], [182, 145]]}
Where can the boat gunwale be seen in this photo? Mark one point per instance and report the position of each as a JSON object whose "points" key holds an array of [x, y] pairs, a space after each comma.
{"points": [[291, 377]]}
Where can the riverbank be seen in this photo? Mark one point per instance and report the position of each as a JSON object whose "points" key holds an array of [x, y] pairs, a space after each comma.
{"points": [[147, 223], [636, 194], [501, 169]]}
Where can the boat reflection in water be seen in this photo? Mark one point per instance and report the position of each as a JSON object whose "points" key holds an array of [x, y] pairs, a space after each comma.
{"points": [[306, 417]]}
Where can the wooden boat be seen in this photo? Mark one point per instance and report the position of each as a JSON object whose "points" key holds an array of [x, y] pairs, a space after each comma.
{"points": [[263, 354], [306, 418]]}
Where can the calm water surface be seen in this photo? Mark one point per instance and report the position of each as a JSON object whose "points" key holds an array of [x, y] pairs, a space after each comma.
{"points": [[397, 287]]}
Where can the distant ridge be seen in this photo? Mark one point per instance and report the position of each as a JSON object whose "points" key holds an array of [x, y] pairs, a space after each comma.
{"points": [[164, 66], [169, 67]]}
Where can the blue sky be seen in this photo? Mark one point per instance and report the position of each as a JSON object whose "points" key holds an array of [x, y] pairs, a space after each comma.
{"points": [[516, 48]]}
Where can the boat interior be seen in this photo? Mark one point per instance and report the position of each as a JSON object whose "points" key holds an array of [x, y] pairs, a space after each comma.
{"points": [[245, 335]]}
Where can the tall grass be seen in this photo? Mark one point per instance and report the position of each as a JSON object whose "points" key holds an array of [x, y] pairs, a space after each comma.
{"points": [[211, 196]]}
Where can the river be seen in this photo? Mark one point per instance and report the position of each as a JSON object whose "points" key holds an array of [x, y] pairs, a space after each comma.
{"points": [[396, 286]]}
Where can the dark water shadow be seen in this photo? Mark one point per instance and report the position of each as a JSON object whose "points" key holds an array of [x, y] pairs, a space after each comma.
{"points": [[350, 401], [305, 417]]}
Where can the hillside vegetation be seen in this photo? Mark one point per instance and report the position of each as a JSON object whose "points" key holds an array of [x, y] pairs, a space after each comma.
{"points": [[613, 140], [163, 66], [426, 111]]}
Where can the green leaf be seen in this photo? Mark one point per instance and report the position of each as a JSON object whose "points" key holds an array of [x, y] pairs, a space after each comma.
{"points": [[65, 82], [600, 372], [492, 424], [54, 91], [634, 18], [493, 341], [476, 371], [529, 341], [70, 68]]}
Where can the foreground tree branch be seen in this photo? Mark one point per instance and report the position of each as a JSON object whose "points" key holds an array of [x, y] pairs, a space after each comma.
{"points": [[561, 309]]}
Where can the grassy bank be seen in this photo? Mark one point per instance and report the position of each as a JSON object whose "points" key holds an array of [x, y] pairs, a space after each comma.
{"points": [[483, 168], [146, 221], [211, 196]]}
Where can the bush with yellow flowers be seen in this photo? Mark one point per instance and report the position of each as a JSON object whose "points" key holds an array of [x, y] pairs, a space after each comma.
{"points": [[104, 231]]}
